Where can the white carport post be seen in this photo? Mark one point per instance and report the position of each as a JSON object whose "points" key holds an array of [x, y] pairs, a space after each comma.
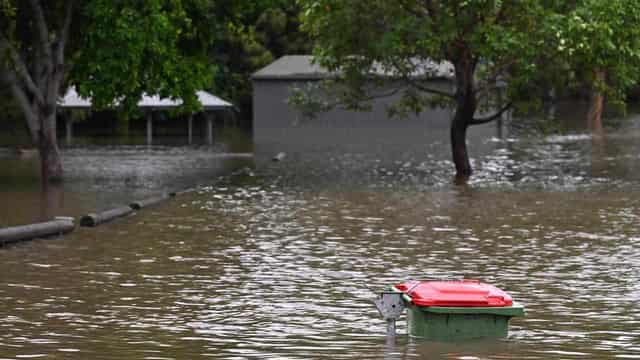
{"points": [[149, 115], [68, 120], [209, 118], [190, 129]]}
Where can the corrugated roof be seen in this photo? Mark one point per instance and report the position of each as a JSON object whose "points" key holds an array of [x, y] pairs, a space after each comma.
{"points": [[209, 102], [72, 100], [301, 67]]}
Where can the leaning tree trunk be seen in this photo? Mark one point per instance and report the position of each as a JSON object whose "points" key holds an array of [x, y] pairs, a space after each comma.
{"points": [[36, 71], [465, 109], [596, 105]]}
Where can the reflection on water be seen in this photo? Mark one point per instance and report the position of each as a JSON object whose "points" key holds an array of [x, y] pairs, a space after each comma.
{"points": [[282, 261]]}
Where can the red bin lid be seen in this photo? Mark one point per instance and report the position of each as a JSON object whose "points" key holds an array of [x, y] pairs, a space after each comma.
{"points": [[457, 293]]}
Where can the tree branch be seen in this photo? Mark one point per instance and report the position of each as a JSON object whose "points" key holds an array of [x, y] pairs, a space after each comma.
{"points": [[59, 49], [369, 97], [422, 87], [64, 33], [22, 99], [431, 8], [501, 15], [491, 118], [496, 70], [406, 77], [381, 95], [21, 69], [415, 12], [41, 23]]}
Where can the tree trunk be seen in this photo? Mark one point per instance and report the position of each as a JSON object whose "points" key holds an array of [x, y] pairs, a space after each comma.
{"points": [[596, 105], [35, 76], [50, 159], [51, 200], [459, 145], [465, 110]]}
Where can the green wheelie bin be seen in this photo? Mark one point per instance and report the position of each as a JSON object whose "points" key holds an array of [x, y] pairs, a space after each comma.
{"points": [[457, 310]]}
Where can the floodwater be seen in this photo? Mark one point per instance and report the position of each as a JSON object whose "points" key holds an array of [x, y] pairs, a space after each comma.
{"points": [[100, 177], [281, 259]]}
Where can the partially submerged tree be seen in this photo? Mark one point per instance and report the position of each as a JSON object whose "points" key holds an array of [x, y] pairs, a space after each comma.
{"points": [[489, 43], [601, 42], [113, 51]]}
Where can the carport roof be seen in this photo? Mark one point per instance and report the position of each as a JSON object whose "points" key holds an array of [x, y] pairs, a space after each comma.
{"points": [[72, 100]]}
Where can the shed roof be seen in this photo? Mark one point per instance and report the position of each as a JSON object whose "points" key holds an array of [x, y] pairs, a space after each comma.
{"points": [[301, 67], [292, 67], [209, 102]]}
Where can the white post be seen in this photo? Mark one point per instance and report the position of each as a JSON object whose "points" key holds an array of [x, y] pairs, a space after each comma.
{"points": [[69, 128], [209, 129], [499, 121], [551, 112], [149, 127], [190, 131]]}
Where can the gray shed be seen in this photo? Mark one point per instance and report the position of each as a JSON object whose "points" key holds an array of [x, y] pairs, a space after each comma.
{"points": [[279, 127]]}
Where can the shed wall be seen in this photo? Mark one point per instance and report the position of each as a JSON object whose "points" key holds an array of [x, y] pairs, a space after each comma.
{"points": [[279, 127]]}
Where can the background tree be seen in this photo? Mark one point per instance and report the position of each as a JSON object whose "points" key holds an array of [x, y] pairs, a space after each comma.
{"points": [[249, 36], [601, 42], [111, 50], [488, 42]]}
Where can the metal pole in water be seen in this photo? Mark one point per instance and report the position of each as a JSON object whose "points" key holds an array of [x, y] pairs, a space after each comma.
{"points": [[391, 327]]}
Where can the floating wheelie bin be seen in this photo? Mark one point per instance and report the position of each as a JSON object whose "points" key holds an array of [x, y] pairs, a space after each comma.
{"points": [[451, 310]]}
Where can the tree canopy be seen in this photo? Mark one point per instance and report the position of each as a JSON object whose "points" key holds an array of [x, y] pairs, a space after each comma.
{"points": [[113, 51], [489, 43], [132, 47], [503, 52], [250, 35], [600, 40], [602, 35]]}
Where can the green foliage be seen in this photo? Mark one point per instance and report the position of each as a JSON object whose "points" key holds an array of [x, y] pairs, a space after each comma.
{"points": [[7, 27], [7, 8], [131, 47], [602, 36], [529, 45], [250, 35], [506, 42], [312, 98], [120, 49]]}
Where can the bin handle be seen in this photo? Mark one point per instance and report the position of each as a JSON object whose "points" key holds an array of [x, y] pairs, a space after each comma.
{"points": [[409, 290], [418, 282]]}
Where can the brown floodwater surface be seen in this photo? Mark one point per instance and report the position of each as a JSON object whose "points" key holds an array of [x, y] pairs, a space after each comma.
{"points": [[282, 260]]}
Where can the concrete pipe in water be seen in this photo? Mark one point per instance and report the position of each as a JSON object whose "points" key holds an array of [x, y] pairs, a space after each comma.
{"points": [[59, 226], [137, 205], [94, 219]]}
